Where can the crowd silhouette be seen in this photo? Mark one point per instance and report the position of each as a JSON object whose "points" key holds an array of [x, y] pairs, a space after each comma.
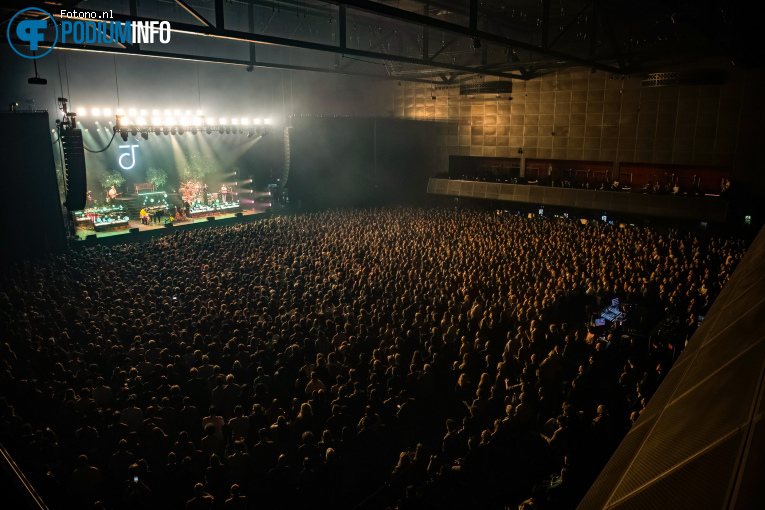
{"points": [[379, 358]]}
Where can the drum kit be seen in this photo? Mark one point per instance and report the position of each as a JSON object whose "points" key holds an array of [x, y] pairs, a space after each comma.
{"points": [[192, 191]]}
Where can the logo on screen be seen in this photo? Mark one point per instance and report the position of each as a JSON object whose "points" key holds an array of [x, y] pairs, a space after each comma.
{"points": [[130, 155], [30, 31]]}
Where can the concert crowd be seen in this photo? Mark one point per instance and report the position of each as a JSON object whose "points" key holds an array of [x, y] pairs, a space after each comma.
{"points": [[351, 359]]}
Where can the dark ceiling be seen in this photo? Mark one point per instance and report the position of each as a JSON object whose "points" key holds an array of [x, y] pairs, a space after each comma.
{"points": [[445, 40]]}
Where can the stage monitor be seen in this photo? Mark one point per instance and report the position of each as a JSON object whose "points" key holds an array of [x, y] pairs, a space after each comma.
{"points": [[615, 302], [600, 322]]}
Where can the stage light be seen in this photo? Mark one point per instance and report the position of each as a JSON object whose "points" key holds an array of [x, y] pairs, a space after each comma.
{"points": [[96, 111], [234, 121], [155, 113], [256, 121], [209, 122], [222, 120], [168, 113], [199, 113], [157, 131], [180, 130], [267, 121], [245, 121], [170, 121], [132, 112], [208, 131], [126, 120], [184, 121], [188, 113], [143, 113], [173, 130], [120, 111], [156, 120], [177, 113], [250, 133], [141, 121], [193, 130], [166, 130], [134, 132], [107, 112], [124, 134], [197, 121], [81, 112]]}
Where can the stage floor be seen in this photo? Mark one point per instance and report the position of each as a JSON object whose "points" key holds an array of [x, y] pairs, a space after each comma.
{"points": [[83, 233]]}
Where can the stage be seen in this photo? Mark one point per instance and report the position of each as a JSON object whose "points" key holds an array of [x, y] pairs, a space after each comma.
{"points": [[89, 234]]}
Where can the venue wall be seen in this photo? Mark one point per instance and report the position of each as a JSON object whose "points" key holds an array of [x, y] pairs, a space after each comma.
{"points": [[580, 115]]}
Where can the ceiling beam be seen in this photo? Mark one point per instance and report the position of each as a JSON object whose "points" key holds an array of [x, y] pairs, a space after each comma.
{"points": [[219, 15], [545, 24], [419, 19], [215, 32], [193, 13], [218, 60], [609, 30]]}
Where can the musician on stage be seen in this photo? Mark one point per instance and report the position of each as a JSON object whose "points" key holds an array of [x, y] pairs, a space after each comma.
{"points": [[112, 194], [224, 193]]}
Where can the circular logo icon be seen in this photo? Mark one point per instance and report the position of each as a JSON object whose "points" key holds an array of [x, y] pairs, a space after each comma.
{"points": [[31, 32]]}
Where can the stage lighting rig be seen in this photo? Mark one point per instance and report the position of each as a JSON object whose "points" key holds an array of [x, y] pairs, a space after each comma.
{"points": [[123, 134], [70, 118]]}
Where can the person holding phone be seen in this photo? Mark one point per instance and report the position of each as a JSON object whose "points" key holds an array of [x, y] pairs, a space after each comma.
{"points": [[135, 494]]}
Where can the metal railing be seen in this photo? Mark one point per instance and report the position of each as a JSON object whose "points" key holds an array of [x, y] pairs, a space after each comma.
{"points": [[16, 475]]}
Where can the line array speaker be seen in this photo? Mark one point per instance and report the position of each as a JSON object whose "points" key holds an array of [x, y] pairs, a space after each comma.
{"points": [[74, 162]]}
